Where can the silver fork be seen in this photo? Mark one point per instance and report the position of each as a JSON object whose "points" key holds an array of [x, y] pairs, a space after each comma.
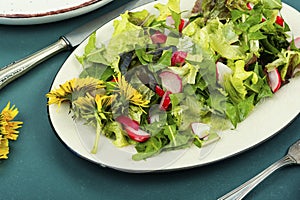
{"points": [[292, 157]]}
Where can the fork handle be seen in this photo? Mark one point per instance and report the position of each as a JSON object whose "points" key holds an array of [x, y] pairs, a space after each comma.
{"points": [[18, 68], [241, 191]]}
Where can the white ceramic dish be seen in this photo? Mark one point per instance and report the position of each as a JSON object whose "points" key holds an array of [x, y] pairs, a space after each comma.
{"points": [[265, 121], [25, 12]]}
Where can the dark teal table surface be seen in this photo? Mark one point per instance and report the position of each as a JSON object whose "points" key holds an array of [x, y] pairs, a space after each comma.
{"points": [[41, 167]]}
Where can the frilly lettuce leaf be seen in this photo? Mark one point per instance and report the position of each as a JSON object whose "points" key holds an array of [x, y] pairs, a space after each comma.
{"points": [[222, 39], [165, 10], [115, 131], [196, 33], [272, 4], [234, 84], [240, 4], [287, 60], [187, 72], [141, 18]]}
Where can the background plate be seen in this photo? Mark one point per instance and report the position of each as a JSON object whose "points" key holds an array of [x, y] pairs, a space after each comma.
{"points": [[25, 12], [265, 121]]}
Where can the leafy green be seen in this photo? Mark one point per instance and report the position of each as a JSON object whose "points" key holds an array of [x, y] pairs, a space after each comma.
{"points": [[167, 9], [248, 41]]}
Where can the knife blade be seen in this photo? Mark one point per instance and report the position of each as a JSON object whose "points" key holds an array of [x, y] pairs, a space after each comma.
{"points": [[66, 42]]}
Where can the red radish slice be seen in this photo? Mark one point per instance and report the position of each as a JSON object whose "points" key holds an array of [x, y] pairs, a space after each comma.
{"points": [[279, 21], [159, 91], [171, 81], [115, 79], [183, 24], [128, 122], [165, 101], [221, 71], [250, 6], [137, 135], [170, 22], [274, 80], [200, 129], [158, 38], [178, 58]]}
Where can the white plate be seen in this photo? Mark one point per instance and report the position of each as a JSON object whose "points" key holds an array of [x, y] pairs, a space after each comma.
{"points": [[265, 121], [24, 12]]}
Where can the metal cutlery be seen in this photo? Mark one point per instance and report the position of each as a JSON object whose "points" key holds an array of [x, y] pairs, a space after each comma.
{"points": [[66, 42], [292, 157]]}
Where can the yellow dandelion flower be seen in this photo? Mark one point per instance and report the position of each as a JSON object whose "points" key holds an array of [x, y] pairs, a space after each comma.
{"points": [[130, 93], [57, 96], [103, 101], [73, 89], [9, 113], [4, 149], [8, 128]]}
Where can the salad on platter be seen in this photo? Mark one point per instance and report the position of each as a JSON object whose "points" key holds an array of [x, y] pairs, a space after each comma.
{"points": [[176, 78]]}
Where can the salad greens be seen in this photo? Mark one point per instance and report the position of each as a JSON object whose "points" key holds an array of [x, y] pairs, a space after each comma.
{"points": [[172, 80]]}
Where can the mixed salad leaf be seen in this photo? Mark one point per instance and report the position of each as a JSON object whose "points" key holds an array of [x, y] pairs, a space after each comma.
{"points": [[176, 79]]}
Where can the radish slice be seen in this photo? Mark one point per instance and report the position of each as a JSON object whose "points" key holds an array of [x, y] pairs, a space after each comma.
{"points": [[274, 80], [170, 22], [178, 58], [200, 129], [154, 118], [296, 43], [183, 24], [171, 81], [159, 91], [279, 21], [137, 135], [158, 38], [250, 6], [221, 71], [128, 122], [165, 101]]}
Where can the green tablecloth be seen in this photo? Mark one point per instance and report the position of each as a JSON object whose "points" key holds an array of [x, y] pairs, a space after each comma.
{"points": [[41, 167]]}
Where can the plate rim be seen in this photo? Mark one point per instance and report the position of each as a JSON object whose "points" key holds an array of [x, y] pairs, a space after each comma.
{"points": [[53, 15]]}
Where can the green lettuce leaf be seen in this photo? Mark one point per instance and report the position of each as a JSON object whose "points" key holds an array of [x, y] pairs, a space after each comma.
{"points": [[114, 131], [166, 9], [223, 38]]}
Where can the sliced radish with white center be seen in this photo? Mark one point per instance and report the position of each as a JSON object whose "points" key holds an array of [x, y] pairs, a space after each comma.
{"points": [[171, 81], [279, 21], [296, 43], [158, 38], [250, 6], [200, 129], [221, 71], [159, 91], [178, 58], [170, 22], [183, 24], [137, 135], [165, 101], [274, 80], [153, 118], [126, 121]]}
